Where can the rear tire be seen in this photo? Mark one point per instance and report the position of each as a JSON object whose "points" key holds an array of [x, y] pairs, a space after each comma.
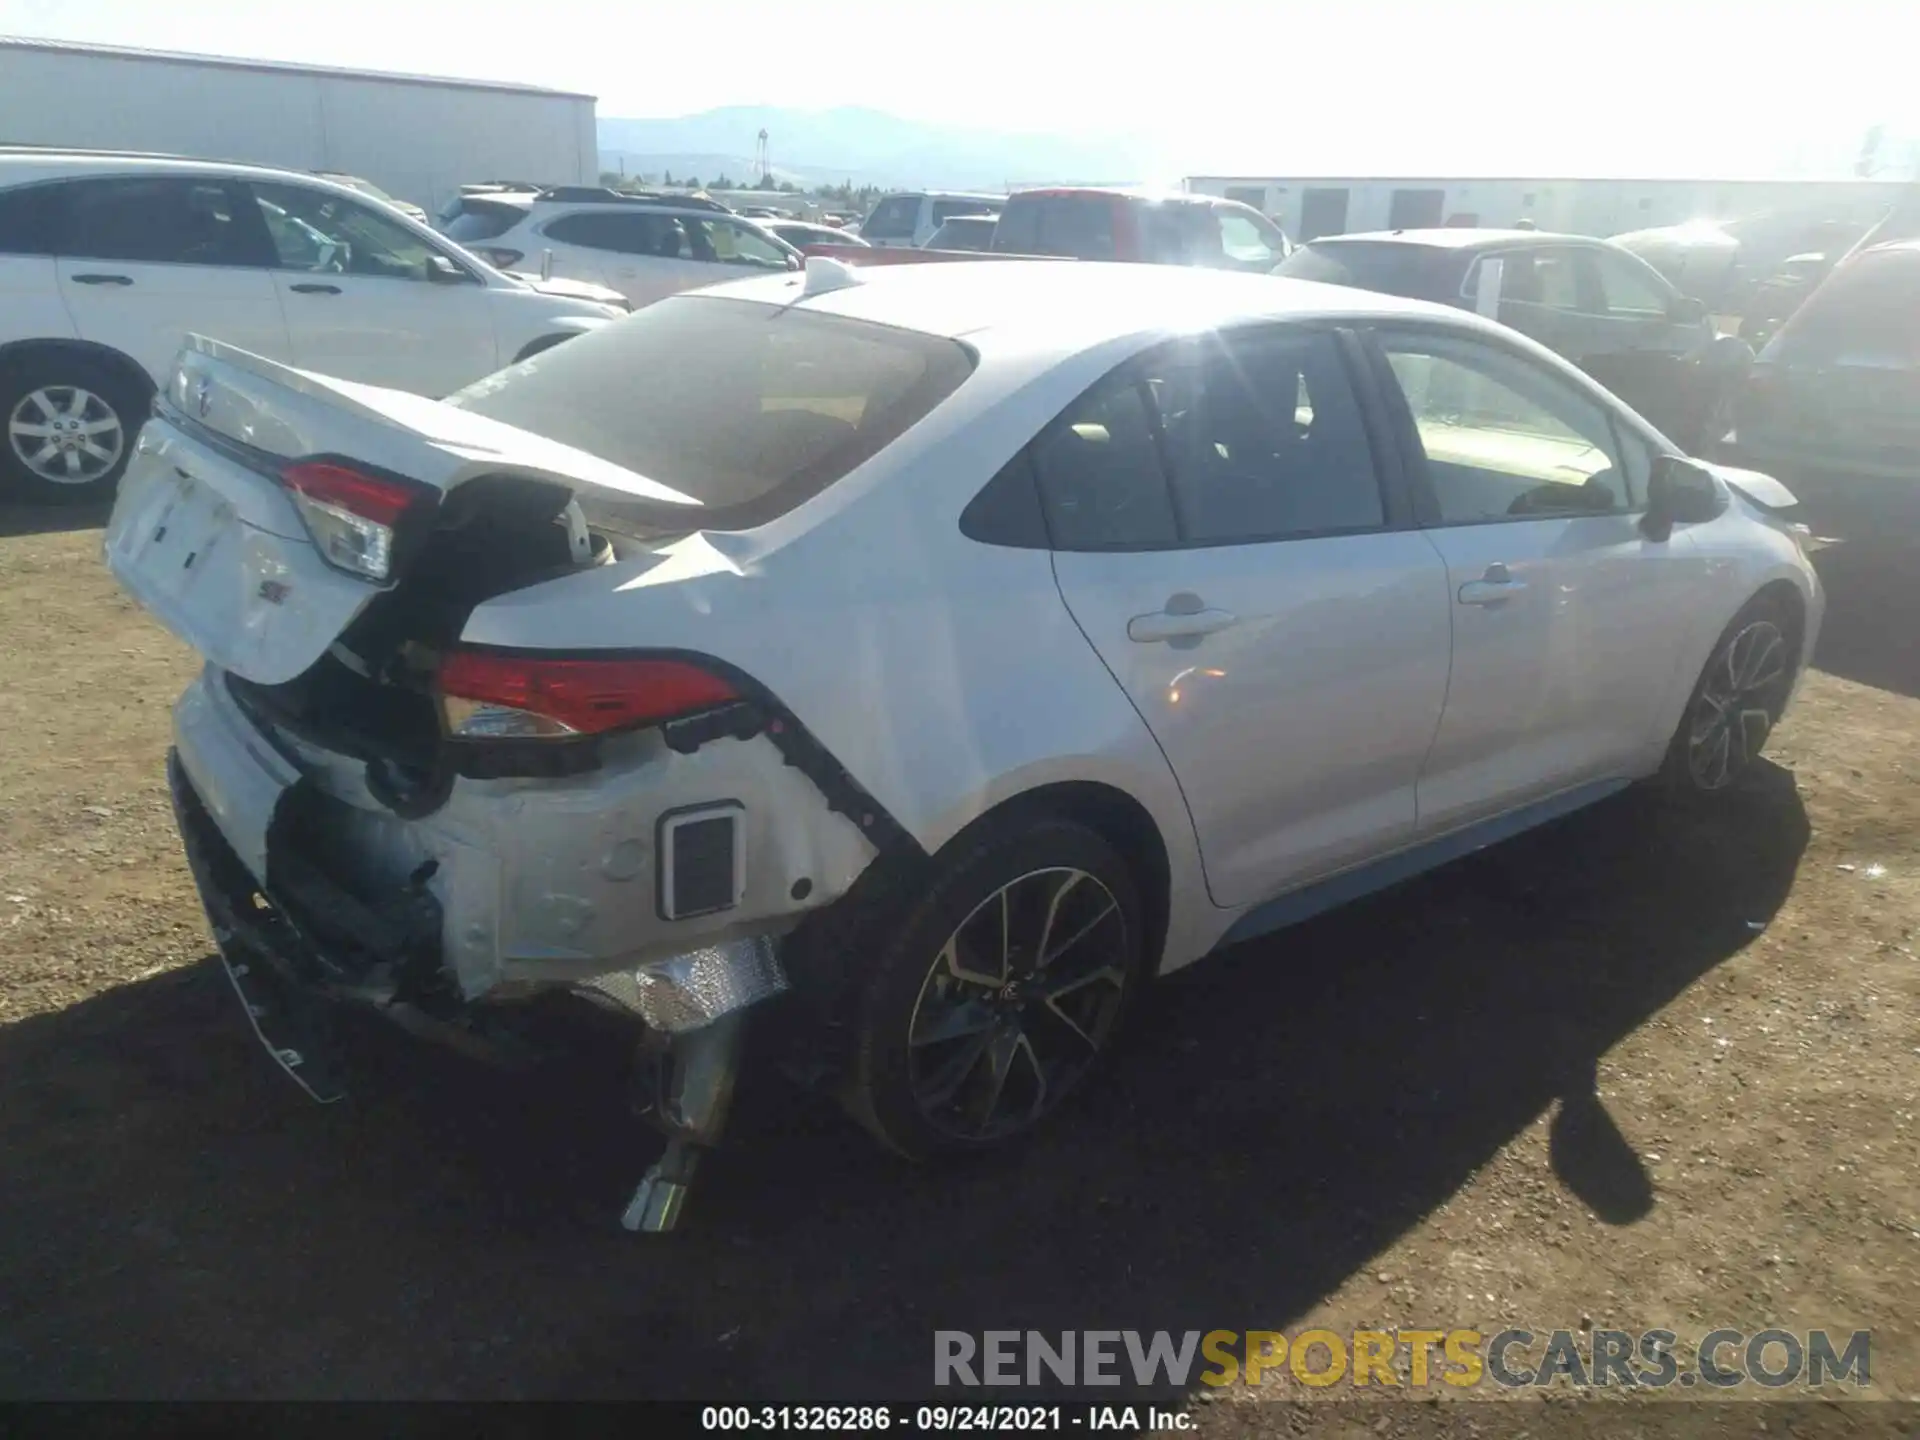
{"points": [[1735, 704], [999, 991], [67, 427]]}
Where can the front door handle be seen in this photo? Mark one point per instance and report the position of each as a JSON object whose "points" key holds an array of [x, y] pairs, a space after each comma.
{"points": [[311, 288], [1175, 625], [1496, 587], [103, 279]]}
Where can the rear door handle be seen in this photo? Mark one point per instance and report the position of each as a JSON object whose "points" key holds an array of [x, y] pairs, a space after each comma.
{"points": [[1496, 587], [312, 288], [103, 279], [1165, 625]]}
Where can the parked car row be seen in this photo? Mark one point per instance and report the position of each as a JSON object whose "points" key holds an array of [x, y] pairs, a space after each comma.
{"points": [[1186, 603], [108, 262]]}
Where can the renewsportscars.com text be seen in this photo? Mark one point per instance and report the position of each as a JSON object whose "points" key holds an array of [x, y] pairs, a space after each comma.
{"points": [[1721, 1359]]}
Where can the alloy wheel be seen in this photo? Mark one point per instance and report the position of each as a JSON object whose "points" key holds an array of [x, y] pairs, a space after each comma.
{"points": [[1734, 711], [65, 434], [1018, 1004]]}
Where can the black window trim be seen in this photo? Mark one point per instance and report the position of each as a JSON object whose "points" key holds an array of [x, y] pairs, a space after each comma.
{"points": [[1397, 497], [1621, 423], [237, 186]]}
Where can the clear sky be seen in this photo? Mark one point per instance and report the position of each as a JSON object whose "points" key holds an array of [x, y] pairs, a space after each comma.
{"points": [[1353, 86]]}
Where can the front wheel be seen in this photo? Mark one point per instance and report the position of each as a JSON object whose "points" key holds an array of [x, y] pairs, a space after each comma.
{"points": [[1737, 701], [69, 428], [1002, 991]]}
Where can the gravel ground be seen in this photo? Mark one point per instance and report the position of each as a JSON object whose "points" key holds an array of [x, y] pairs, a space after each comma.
{"points": [[1632, 1070]]}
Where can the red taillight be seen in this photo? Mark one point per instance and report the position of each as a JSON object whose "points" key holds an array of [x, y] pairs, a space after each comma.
{"points": [[381, 501], [512, 696], [498, 257], [350, 515]]}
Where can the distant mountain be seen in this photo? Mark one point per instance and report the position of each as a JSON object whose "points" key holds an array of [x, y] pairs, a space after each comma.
{"points": [[868, 147]]}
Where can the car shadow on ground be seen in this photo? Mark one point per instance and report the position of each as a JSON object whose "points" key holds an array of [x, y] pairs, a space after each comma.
{"points": [[175, 1220], [1872, 628], [50, 519]]}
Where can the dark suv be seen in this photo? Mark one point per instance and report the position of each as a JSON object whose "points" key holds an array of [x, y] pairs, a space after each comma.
{"points": [[1089, 224], [1608, 311], [1833, 403]]}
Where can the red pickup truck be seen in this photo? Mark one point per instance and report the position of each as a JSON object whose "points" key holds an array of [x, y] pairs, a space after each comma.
{"points": [[1095, 224]]}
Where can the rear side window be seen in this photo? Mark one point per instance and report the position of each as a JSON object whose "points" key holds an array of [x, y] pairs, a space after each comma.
{"points": [[1210, 442], [1080, 226], [747, 409], [1101, 482], [165, 220], [624, 234], [894, 218], [478, 220], [1266, 440], [1868, 310], [29, 220], [1415, 271]]}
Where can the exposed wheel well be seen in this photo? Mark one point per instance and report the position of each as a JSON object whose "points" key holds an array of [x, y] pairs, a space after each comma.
{"points": [[1788, 596], [23, 352], [1126, 825]]}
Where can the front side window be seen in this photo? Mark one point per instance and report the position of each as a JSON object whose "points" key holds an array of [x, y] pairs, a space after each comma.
{"points": [[161, 220], [733, 244], [318, 230], [1631, 291], [1505, 439], [743, 409]]}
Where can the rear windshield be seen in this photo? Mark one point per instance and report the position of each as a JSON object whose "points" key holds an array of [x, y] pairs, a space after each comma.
{"points": [[1080, 226], [748, 408], [482, 220], [1868, 311], [1414, 271]]}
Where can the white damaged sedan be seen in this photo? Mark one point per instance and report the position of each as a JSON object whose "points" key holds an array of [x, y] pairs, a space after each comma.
{"points": [[945, 650]]}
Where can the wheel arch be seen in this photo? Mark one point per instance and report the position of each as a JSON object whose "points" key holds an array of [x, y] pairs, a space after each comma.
{"points": [[1123, 822], [124, 366], [543, 344]]}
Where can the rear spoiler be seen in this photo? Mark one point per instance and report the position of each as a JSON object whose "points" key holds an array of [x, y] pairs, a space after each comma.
{"points": [[884, 255]]}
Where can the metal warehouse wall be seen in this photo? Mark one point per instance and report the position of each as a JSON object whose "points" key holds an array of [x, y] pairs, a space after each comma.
{"points": [[417, 141]]}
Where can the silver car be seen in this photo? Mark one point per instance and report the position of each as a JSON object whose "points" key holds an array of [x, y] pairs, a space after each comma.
{"points": [[952, 648]]}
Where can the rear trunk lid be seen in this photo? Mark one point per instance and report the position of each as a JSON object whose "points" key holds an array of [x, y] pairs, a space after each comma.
{"points": [[207, 537]]}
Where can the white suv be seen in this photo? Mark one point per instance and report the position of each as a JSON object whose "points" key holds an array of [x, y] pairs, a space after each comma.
{"points": [[108, 262], [646, 247]]}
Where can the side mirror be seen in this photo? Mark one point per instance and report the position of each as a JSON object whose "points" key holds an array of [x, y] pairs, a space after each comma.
{"points": [[794, 262], [1687, 310], [1679, 492], [443, 271]]}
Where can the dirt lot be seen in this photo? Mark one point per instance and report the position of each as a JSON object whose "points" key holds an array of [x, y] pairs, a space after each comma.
{"points": [[1630, 1071]]}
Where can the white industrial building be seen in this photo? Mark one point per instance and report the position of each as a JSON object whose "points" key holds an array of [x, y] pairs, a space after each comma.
{"points": [[1310, 207], [417, 137]]}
